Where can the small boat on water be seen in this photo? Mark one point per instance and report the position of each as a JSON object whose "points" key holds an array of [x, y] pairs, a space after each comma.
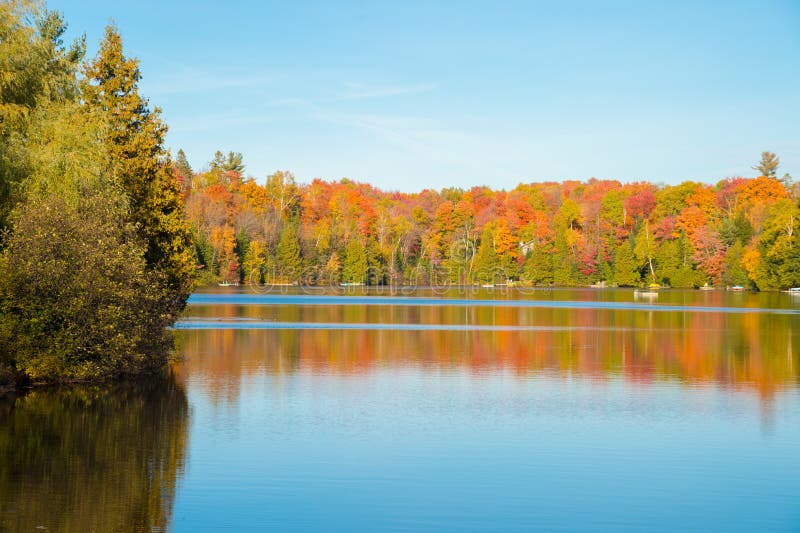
{"points": [[737, 288], [229, 284], [488, 285], [645, 294], [707, 287], [794, 290]]}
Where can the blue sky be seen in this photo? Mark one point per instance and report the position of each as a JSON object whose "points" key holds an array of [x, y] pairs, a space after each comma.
{"points": [[411, 95]]}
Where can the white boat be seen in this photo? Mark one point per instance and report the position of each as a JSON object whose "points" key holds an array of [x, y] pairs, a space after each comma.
{"points": [[645, 294]]}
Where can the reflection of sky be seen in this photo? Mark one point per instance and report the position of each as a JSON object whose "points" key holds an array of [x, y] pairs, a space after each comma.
{"points": [[439, 449], [593, 418]]}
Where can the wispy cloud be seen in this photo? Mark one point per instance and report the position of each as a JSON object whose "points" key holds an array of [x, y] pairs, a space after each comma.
{"points": [[218, 121], [360, 91], [186, 80]]}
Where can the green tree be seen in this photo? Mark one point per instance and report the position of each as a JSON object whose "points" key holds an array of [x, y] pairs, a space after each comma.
{"points": [[35, 69], [538, 267], [232, 162], [645, 249], [735, 229], [257, 264], [184, 169], [675, 268], [768, 165], [735, 273], [288, 262], [135, 136], [779, 248], [76, 298], [487, 263], [564, 269], [354, 269], [626, 271]]}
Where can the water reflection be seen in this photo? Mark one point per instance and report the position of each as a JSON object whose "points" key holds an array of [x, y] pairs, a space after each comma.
{"points": [[93, 458], [745, 351]]}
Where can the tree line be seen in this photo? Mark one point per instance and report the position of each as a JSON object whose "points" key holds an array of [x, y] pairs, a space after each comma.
{"points": [[96, 258], [737, 232]]}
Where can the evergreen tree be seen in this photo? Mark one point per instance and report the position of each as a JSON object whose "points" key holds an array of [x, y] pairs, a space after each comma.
{"points": [[355, 265], [135, 135], [288, 262], [184, 169], [564, 271], [626, 271], [768, 165], [539, 266], [233, 162], [487, 263], [735, 229], [735, 273], [674, 266]]}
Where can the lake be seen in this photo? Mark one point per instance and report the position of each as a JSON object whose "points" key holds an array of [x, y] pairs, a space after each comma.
{"points": [[367, 409]]}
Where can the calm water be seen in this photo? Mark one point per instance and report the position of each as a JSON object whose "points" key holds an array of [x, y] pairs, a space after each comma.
{"points": [[552, 409]]}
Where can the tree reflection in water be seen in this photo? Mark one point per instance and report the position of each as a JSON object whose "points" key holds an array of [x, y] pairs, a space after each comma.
{"points": [[93, 458]]}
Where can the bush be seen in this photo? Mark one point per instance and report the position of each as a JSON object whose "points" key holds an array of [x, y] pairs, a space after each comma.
{"points": [[76, 298]]}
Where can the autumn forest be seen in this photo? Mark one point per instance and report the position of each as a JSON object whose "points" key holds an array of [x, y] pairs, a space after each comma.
{"points": [[736, 232]]}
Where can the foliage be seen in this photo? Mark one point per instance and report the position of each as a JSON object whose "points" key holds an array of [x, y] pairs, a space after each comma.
{"points": [[135, 136], [97, 259], [626, 271], [77, 300], [566, 233]]}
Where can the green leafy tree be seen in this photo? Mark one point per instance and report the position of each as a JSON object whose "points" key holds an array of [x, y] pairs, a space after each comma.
{"points": [[77, 300], [735, 273], [257, 265], [35, 69], [645, 250], [779, 248]]}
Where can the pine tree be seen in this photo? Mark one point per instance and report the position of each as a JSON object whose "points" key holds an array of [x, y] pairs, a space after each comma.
{"points": [[768, 165], [626, 273], [487, 262], [135, 135], [564, 271], [184, 169], [539, 266], [355, 265], [289, 263]]}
